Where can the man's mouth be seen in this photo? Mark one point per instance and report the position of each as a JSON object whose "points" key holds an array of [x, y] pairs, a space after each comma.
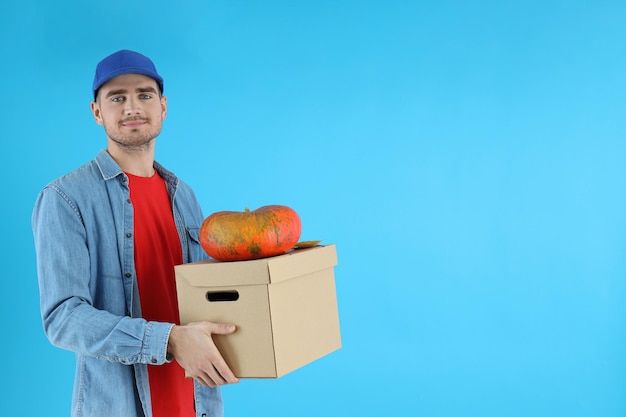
{"points": [[133, 123]]}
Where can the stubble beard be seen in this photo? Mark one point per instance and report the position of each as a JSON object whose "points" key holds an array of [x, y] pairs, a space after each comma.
{"points": [[135, 140]]}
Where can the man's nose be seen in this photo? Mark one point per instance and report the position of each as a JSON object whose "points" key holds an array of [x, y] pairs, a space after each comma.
{"points": [[132, 106]]}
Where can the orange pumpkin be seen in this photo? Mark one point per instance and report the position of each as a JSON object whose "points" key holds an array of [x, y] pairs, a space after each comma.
{"points": [[238, 236]]}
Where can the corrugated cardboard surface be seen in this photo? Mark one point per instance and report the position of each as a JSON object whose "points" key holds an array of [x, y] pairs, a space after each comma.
{"points": [[286, 312]]}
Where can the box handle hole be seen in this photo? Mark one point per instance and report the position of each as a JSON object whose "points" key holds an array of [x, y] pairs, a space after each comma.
{"points": [[218, 296]]}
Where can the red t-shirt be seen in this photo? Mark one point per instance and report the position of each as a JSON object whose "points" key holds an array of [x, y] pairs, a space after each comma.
{"points": [[157, 250]]}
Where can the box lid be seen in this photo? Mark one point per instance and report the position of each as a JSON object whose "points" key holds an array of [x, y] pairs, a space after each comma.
{"points": [[258, 271]]}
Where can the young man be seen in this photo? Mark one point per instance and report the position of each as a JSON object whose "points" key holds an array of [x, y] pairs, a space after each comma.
{"points": [[107, 237]]}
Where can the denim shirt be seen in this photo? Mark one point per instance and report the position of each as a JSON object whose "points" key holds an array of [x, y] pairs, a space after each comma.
{"points": [[83, 231]]}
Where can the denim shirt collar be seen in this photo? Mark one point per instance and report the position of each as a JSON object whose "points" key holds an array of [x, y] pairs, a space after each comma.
{"points": [[107, 165], [110, 169]]}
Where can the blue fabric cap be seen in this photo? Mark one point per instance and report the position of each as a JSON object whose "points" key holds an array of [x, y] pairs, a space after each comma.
{"points": [[124, 62]]}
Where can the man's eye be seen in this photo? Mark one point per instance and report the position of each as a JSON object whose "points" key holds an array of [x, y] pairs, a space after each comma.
{"points": [[117, 99], [145, 96]]}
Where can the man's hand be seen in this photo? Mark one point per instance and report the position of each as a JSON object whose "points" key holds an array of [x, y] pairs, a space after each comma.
{"points": [[193, 348]]}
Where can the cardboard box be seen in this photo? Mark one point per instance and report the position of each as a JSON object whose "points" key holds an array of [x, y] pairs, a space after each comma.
{"points": [[284, 307]]}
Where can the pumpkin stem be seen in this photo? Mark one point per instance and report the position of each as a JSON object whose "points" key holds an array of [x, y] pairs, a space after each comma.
{"points": [[247, 210]]}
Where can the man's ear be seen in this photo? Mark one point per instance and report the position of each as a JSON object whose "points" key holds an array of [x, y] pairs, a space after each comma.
{"points": [[163, 107], [95, 110]]}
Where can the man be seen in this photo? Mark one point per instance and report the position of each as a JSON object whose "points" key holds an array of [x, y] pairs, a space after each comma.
{"points": [[107, 237]]}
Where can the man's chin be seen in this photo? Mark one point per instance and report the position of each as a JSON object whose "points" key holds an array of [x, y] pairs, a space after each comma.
{"points": [[133, 143]]}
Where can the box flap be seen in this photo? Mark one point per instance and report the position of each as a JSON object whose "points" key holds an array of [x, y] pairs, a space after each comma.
{"points": [[300, 262], [213, 273]]}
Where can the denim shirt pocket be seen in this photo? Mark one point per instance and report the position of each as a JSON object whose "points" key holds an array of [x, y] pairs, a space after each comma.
{"points": [[196, 252]]}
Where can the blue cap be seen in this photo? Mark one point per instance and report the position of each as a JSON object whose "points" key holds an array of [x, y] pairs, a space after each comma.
{"points": [[124, 62]]}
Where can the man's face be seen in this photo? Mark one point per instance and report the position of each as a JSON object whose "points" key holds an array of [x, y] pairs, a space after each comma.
{"points": [[131, 110]]}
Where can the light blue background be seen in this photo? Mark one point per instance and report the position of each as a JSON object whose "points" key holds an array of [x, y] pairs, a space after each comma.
{"points": [[467, 159]]}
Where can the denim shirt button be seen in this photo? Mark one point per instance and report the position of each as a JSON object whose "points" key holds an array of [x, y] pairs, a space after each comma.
{"points": [[129, 234], [127, 275], [153, 360]]}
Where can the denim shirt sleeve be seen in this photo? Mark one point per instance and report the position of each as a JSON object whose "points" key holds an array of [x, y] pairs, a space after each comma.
{"points": [[83, 290]]}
